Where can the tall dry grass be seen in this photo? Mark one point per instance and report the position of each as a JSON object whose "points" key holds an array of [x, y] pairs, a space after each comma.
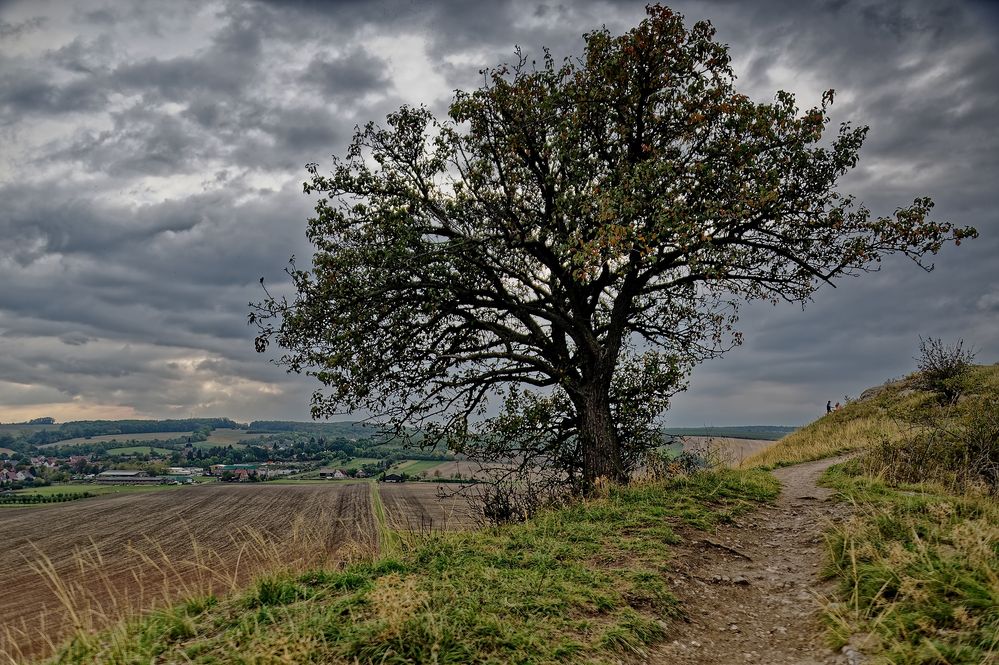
{"points": [[918, 573], [826, 437], [93, 596]]}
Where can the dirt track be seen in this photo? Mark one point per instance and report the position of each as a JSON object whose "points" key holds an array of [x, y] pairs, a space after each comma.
{"points": [[750, 589]]}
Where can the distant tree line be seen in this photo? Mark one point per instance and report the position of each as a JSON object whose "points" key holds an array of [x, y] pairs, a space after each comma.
{"points": [[85, 428]]}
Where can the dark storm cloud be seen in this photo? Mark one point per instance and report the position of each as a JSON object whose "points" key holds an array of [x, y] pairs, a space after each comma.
{"points": [[26, 91], [357, 73], [157, 157]]}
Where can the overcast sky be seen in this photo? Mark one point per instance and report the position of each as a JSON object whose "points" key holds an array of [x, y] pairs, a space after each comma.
{"points": [[152, 154]]}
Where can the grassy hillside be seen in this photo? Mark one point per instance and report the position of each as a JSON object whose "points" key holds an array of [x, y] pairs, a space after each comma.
{"points": [[918, 572], [582, 584], [918, 564], [889, 413]]}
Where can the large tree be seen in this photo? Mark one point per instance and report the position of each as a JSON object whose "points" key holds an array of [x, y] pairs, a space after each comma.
{"points": [[569, 243]]}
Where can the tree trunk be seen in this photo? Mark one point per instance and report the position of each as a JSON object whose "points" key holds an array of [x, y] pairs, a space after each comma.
{"points": [[600, 446]]}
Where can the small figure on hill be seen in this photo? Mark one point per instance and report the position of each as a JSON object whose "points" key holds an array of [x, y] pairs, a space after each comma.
{"points": [[829, 406], [837, 407]]}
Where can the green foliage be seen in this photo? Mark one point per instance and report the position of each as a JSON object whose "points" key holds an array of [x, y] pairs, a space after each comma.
{"points": [[580, 584], [571, 241], [34, 499]]}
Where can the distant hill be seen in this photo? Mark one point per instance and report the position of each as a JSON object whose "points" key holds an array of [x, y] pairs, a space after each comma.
{"points": [[348, 429], [768, 432], [42, 434]]}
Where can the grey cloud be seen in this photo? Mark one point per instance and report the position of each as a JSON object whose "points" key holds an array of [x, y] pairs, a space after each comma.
{"points": [[10, 30], [142, 141], [84, 56], [144, 303], [25, 91], [74, 339], [355, 74]]}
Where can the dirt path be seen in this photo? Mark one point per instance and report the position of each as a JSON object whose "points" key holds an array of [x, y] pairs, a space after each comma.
{"points": [[750, 588]]}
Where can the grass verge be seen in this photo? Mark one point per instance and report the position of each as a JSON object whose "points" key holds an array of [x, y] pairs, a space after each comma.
{"points": [[389, 541], [918, 572], [581, 584]]}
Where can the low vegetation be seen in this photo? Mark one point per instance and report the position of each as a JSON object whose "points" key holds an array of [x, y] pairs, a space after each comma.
{"points": [[582, 583], [860, 424], [918, 571], [27, 498], [943, 368]]}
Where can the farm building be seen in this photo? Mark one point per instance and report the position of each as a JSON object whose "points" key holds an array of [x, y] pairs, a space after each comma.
{"points": [[393, 478], [126, 477], [333, 474], [179, 478], [218, 469]]}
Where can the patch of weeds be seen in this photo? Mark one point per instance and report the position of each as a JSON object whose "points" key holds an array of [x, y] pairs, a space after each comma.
{"points": [[918, 568], [276, 591]]}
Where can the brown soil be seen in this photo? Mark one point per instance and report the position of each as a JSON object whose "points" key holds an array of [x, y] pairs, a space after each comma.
{"points": [[418, 507], [751, 589], [114, 554]]}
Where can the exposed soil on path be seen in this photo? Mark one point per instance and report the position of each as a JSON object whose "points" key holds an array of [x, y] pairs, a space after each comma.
{"points": [[750, 589]]}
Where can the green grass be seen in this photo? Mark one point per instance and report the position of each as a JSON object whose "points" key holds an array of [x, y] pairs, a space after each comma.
{"points": [[139, 450], [583, 584], [123, 438], [863, 424], [918, 563], [389, 542], [94, 488], [358, 462], [207, 445], [225, 437], [414, 467], [918, 569]]}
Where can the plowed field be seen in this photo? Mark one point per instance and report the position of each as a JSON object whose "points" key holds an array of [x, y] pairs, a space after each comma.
{"points": [[85, 563], [416, 507], [108, 554]]}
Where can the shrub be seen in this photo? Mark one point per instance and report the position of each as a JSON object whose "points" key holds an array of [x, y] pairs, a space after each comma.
{"points": [[957, 448], [943, 368]]}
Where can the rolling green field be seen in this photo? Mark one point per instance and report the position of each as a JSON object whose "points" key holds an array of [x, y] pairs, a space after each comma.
{"points": [[414, 467], [355, 463], [224, 437], [139, 450], [124, 438], [358, 462]]}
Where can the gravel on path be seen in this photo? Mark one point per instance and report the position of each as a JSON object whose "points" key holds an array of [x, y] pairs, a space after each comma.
{"points": [[751, 590]]}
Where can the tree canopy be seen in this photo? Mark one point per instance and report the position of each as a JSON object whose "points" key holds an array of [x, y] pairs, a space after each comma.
{"points": [[534, 277]]}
